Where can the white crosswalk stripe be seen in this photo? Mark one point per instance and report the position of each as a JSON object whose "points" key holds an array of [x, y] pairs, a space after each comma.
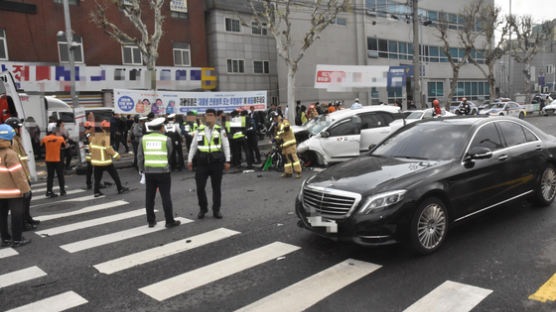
{"points": [[70, 192], [56, 303], [306, 293], [116, 237], [187, 281], [450, 297], [39, 190], [69, 200], [160, 252], [8, 252], [38, 184], [90, 223], [98, 207], [20, 276]]}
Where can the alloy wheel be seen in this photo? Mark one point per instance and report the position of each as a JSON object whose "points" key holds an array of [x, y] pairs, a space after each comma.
{"points": [[548, 184], [431, 226]]}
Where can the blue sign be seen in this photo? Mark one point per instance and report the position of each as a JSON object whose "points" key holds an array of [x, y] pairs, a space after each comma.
{"points": [[541, 80], [125, 103], [396, 77]]}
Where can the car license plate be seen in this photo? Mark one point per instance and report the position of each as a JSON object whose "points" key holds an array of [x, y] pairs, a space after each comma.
{"points": [[317, 221]]}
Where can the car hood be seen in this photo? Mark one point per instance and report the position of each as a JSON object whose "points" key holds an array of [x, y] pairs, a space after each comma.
{"points": [[491, 111], [371, 174], [550, 106]]}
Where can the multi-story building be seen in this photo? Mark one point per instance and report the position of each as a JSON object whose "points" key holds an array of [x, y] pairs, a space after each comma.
{"points": [[242, 51], [380, 32], [33, 46]]}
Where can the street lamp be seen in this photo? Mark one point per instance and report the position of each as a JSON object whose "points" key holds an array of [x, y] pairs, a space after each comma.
{"points": [[71, 47]]}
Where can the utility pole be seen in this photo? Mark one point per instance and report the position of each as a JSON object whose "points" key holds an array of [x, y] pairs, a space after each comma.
{"points": [[416, 57], [509, 60], [69, 39]]}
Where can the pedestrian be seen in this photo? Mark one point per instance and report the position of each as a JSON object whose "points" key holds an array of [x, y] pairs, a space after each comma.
{"points": [[66, 151], [211, 146], [190, 126], [89, 131], [14, 189], [356, 104], [153, 154], [411, 105], [331, 108], [237, 128], [288, 144], [53, 144], [437, 111], [173, 132], [101, 159], [28, 222], [114, 132], [122, 129], [252, 138], [138, 130], [303, 114]]}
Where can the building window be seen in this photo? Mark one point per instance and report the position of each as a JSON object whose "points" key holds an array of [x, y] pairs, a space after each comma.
{"points": [[77, 49], [182, 54], [372, 47], [435, 90], [232, 25], [340, 21], [258, 30], [261, 67], [178, 9], [131, 55], [3, 45], [235, 66], [472, 90], [394, 94], [383, 48], [70, 2]]}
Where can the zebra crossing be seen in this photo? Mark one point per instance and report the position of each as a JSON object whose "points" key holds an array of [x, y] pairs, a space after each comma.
{"points": [[450, 296]]}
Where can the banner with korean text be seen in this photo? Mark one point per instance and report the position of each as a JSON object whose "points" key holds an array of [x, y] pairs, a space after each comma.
{"points": [[170, 102]]}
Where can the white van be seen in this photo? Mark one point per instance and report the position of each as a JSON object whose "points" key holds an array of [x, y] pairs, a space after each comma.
{"points": [[41, 108], [346, 133]]}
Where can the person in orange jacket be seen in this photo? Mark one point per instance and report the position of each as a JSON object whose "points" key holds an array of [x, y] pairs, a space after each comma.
{"points": [[53, 144], [14, 187]]}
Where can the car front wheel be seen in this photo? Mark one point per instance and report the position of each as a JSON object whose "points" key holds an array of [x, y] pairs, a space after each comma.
{"points": [[429, 226], [546, 190]]}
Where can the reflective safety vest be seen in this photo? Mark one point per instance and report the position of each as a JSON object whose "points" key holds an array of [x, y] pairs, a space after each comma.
{"points": [[101, 151], [155, 150], [215, 144], [236, 127], [287, 136]]}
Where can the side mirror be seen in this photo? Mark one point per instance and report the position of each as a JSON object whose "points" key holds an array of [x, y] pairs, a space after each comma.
{"points": [[478, 152], [325, 134]]}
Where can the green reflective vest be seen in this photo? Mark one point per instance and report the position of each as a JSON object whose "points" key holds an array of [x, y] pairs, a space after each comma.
{"points": [[215, 144], [155, 150], [236, 127]]}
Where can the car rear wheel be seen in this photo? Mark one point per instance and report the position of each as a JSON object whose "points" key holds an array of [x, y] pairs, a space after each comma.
{"points": [[429, 226], [546, 190]]}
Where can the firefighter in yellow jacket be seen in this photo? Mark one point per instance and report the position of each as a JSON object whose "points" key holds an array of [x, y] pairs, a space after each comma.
{"points": [[28, 222], [14, 187], [285, 135], [101, 158]]}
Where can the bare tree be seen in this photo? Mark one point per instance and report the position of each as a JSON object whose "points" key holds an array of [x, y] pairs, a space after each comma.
{"points": [[277, 16], [146, 42], [489, 20], [528, 43]]}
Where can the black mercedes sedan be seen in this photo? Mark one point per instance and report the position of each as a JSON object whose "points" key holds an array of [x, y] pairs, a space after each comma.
{"points": [[427, 176]]}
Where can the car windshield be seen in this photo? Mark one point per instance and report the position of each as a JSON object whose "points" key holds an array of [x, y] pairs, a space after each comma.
{"points": [[497, 105], [427, 141], [67, 117], [315, 126], [415, 115]]}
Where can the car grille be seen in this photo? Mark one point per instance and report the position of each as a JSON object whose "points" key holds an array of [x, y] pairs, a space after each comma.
{"points": [[331, 203]]}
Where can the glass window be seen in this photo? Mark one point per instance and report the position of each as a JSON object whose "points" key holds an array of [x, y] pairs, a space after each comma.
{"points": [[232, 25], [372, 120], [3, 45], [77, 49], [372, 44], [182, 54], [474, 88], [487, 136], [383, 48], [260, 67], [341, 21], [67, 117], [460, 91], [371, 4], [481, 90], [443, 56], [513, 133], [530, 136], [258, 30], [433, 16], [381, 8], [434, 53], [393, 49], [468, 88], [344, 127], [454, 53], [235, 66], [131, 55]]}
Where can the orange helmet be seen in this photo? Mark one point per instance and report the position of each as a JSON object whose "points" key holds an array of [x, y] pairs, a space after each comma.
{"points": [[88, 124], [435, 102], [105, 124]]}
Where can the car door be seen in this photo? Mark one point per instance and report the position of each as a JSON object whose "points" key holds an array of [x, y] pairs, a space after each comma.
{"points": [[375, 126], [342, 139], [524, 154], [481, 182]]}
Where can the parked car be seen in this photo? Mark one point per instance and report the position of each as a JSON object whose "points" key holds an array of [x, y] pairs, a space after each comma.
{"points": [[505, 109], [455, 107], [549, 109], [345, 134], [417, 115], [428, 176]]}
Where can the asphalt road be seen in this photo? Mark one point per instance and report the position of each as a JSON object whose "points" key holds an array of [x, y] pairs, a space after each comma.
{"points": [[491, 263]]}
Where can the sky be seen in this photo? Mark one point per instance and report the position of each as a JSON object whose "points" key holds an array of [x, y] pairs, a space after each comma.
{"points": [[540, 10]]}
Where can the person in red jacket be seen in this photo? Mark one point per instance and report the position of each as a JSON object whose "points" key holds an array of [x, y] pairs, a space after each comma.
{"points": [[437, 110], [14, 187]]}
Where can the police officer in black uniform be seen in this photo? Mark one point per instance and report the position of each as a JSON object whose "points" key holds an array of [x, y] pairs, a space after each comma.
{"points": [[211, 145]]}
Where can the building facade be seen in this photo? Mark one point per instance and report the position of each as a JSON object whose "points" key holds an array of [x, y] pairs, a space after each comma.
{"points": [[380, 32], [242, 51], [33, 47]]}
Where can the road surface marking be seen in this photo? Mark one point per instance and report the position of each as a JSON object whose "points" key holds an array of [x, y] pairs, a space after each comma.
{"points": [[56, 303], [187, 281], [55, 188], [98, 207], [90, 223], [116, 237], [546, 292], [149, 255], [20, 276], [7, 252], [306, 293], [70, 192], [450, 297], [38, 184]]}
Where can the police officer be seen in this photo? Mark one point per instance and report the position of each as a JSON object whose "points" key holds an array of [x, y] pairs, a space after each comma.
{"points": [[466, 108], [28, 222], [189, 127], [14, 187], [101, 158], [237, 128], [173, 132], [252, 138], [211, 146], [138, 131], [152, 157], [288, 144]]}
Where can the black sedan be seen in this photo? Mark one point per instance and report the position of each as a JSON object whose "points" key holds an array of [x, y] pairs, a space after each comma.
{"points": [[428, 176]]}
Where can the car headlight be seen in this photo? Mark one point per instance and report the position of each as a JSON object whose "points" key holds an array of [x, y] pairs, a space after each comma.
{"points": [[381, 201]]}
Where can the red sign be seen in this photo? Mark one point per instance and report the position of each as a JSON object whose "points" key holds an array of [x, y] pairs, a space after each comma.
{"points": [[326, 76]]}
